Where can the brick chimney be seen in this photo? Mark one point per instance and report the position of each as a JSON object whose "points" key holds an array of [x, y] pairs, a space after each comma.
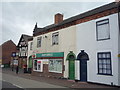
{"points": [[58, 18]]}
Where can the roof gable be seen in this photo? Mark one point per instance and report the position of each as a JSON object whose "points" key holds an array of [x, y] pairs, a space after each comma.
{"points": [[25, 38]]}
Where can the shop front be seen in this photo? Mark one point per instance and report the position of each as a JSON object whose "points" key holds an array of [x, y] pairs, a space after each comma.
{"points": [[48, 64]]}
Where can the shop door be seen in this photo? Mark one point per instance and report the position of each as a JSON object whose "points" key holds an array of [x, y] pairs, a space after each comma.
{"points": [[71, 69], [83, 70], [30, 62]]}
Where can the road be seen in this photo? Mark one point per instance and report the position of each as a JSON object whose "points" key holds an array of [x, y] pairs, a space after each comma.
{"points": [[6, 84], [15, 81]]}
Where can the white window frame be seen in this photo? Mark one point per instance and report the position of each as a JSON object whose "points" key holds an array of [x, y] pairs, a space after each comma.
{"points": [[54, 66], [100, 35], [41, 66]]}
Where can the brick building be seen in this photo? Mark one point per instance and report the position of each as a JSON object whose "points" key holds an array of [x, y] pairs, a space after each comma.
{"points": [[6, 50]]}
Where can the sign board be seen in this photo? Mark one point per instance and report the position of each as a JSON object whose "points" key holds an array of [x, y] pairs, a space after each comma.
{"points": [[55, 54], [15, 62], [13, 54]]}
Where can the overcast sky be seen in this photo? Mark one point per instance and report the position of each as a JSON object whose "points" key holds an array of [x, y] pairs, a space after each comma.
{"points": [[20, 17]]}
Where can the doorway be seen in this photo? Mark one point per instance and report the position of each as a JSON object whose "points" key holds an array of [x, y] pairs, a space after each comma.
{"points": [[71, 65], [83, 58], [71, 69], [83, 70]]}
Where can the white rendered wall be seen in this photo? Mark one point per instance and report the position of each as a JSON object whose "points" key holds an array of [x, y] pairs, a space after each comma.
{"points": [[119, 51], [67, 42], [86, 40], [77, 70]]}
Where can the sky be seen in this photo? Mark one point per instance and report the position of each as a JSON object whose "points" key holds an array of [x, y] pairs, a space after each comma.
{"points": [[20, 17]]}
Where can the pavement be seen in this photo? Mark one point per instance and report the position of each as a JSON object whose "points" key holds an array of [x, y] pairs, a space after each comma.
{"points": [[61, 83]]}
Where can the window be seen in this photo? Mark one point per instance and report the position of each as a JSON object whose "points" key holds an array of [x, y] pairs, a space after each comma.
{"points": [[55, 38], [55, 65], [31, 45], [37, 65], [104, 63], [39, 41], [103, 30]]}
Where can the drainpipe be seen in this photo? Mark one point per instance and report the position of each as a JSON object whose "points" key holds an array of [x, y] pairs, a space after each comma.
{"points": [[118, 37]]}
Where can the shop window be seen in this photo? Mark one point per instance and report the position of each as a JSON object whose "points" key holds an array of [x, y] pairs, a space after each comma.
{"points": [[104, 63], [55, 65], [103, 30], [55, 38], [38, 65], [39, 41]]}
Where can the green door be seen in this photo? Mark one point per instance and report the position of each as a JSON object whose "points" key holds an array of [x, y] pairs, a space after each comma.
{"points": [[72, 69], [30, 62]]}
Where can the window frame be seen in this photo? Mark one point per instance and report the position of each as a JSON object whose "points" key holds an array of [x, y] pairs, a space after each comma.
{"points": [[31, 44], [100, 25], [54, 66], [53, 36], [98, 59], [39, 39], [41, 65]]}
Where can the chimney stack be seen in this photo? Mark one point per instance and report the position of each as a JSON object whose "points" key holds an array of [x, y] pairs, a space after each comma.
{"points": [[58, 18]]}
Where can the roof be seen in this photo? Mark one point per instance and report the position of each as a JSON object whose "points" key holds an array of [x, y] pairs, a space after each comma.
{"points": [[80, 16], [9, 41], [26, 37]]}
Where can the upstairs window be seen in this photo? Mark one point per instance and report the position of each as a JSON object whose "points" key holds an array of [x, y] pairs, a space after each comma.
{"points": [[39, 41], [55, 38], [103, 30]]}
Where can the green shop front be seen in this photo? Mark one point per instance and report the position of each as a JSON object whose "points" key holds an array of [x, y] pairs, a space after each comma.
{"points": [[48, 64]]}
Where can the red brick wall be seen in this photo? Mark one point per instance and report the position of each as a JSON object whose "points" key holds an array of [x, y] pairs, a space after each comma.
{"points": [[46, 72], [58, 18], [7, 49]]}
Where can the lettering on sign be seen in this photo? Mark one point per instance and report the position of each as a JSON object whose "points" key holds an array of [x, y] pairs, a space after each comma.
{"points": [[46, 55]]}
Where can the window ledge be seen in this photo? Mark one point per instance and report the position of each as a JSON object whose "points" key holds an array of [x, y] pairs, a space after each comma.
{"points": [[105, 74]]}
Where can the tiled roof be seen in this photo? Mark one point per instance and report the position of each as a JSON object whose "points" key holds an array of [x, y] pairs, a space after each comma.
{"points": [[80, 16]]}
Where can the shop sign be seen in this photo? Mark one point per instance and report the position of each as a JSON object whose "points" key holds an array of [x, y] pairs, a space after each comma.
{"points": [[56, 54], [38, 61], [15, 62], [13, 54], [33, 56]]}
